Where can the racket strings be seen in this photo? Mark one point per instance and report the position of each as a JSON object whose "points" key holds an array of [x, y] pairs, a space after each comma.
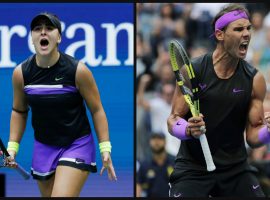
{"points": [[180, 58], [2, 161]]}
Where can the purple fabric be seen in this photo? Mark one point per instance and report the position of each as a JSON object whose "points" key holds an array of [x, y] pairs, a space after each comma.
{"points": [[229, 17], [46, 157], [44, 91], [179, 129], [264, 135]]}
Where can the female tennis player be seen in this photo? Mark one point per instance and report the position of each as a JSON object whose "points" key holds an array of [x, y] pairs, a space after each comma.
{"points": [[55, 86]]}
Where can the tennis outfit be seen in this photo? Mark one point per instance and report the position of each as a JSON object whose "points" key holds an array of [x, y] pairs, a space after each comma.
{"points": [[224, 104], [61, 127]]}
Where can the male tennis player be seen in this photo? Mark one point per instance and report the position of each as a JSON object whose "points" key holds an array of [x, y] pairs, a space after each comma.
{"points": [[231, 102], [55, 86]]}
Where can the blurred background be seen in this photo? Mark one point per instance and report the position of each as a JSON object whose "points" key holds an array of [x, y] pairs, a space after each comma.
{"points": [[103, 39], [190, 23]]}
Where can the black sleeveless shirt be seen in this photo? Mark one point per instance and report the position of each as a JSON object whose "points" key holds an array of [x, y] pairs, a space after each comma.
{"points": [[224, 104], [58, 110]]}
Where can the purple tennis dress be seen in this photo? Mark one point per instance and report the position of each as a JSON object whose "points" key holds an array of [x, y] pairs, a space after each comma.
{"points": [[62, 131], [80, 154]]}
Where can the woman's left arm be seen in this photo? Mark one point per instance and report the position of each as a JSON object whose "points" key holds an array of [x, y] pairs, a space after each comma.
{"points": [[87, 87]]}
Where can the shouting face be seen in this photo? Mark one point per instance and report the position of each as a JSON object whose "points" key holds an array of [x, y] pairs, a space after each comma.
{"points": [[237, 37], [45, 37]]}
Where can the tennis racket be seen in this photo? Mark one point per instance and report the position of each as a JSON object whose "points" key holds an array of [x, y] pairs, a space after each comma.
{"points": [[4, 155], [185, 77]]}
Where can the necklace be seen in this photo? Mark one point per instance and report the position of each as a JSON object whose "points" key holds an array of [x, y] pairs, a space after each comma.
{"points": [[219, 59]]}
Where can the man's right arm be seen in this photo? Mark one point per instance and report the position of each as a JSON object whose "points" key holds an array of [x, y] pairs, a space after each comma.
{"points": [[179, 110]]}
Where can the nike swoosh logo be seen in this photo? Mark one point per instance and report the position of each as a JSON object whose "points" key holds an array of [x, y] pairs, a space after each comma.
{"points": [[238, 13], [58, 79], [177, 195], [202, 86], [178, 123], [255, 186], [237, 90], [78, 162]]}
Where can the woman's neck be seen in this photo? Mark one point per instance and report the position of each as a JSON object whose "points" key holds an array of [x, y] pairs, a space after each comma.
{"points": [[48, 60]]}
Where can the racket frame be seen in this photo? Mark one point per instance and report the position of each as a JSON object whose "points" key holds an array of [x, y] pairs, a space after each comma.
{"points": [[19, 168], [191, 99]]}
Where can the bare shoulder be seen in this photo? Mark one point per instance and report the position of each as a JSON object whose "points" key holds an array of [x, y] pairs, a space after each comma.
{"points": [[259, 86], [17, 76], [82, 70], [83, 75], [18, 70]]}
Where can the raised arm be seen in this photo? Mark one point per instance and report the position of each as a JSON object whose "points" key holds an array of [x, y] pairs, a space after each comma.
{"points": [[179, 108], [179, 127]]}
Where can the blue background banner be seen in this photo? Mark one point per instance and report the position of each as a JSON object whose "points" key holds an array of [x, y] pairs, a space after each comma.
{"points": [[101, 35]]}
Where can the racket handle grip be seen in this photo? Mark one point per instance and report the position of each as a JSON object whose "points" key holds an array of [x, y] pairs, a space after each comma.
{"points": [[207, 154], [22, 172]]}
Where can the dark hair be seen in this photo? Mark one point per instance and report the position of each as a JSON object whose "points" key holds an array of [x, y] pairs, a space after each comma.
{"points": [[226, 9], [54, 20]]}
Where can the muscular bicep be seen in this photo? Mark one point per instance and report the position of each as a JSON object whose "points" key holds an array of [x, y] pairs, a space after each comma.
{"points": [[256, 111], [19, 98], [255, 115], [179, 108]]}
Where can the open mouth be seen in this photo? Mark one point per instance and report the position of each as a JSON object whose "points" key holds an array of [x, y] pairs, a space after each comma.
{"points": [[243, 46], [44, 42]]}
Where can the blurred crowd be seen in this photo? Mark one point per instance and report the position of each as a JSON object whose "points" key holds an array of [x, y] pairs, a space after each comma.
{"points": [[189, 23]]}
